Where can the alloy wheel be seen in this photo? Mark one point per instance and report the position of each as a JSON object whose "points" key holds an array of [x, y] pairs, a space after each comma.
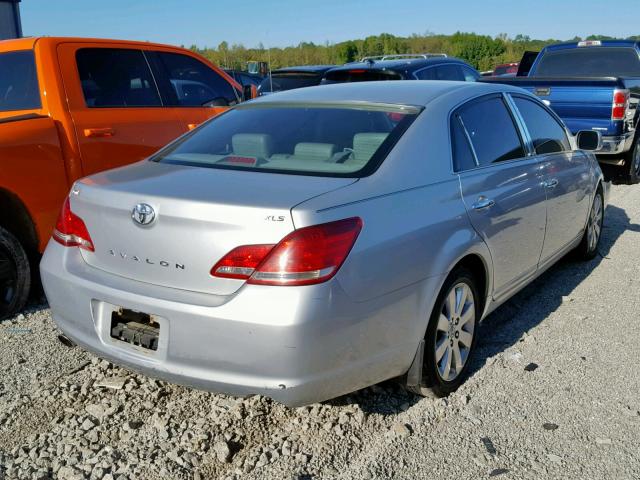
{"points": [[595, 223], [454, 331]]}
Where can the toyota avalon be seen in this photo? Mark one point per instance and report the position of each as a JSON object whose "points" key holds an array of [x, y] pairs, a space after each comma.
{"points": [[317, 241]]}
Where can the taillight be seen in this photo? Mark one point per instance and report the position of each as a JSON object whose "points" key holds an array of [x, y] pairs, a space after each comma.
{"points": [[70, 230], [620, 104], [304, 257]]}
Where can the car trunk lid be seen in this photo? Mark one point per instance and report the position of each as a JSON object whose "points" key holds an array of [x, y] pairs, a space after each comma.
{"points": [[200, 215]]}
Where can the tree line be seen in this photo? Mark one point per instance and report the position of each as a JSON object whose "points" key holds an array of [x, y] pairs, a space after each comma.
{"points": [[481, 51]]}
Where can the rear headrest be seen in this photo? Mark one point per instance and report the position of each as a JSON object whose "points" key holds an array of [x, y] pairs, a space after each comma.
{"points": [[366, 144], [315, 151], [252, 144]]}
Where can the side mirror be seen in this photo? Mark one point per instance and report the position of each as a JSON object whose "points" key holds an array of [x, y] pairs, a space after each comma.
{"points": [[249, 92], [589, 140]]}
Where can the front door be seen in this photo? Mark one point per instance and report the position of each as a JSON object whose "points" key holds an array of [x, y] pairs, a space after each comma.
{"points": [[115, 105], [194, 89], [501, 188]]}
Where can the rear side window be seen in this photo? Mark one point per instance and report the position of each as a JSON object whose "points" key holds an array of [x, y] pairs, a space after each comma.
{"points": [[18, 82], [305, 139], [546, 133], [491, 130], [590, 62], [360, 75], [462, 154], [116, 78], [192, 83], [441, 72]]}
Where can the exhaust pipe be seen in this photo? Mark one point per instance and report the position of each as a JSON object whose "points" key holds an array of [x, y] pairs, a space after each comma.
{"points": [[66, 341]]}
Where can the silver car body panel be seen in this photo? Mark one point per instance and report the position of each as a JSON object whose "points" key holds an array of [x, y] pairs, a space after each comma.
{"points": [[309, 343]]}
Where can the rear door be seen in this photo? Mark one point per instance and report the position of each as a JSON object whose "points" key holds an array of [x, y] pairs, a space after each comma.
{"points": [[115, 105], [565, 176], [195, 90], [501, 187]]}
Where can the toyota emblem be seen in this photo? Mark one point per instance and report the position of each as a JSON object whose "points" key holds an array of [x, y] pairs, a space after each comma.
{"points": [[143, 214]]}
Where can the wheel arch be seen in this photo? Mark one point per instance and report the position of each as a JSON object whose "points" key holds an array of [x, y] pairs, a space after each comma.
{"points": [[15, 217]]}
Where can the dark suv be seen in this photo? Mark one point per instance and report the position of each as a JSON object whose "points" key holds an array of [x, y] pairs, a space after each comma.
{"points": [[403, 67], [293, 77]]}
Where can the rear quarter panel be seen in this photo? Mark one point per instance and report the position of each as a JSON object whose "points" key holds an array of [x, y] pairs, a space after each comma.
{"points": [[32, 169]]}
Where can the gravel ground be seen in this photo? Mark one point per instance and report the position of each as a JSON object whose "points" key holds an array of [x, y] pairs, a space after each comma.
{"points": [[553, 394]]}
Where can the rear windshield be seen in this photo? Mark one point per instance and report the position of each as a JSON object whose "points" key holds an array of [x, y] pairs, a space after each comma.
{"points": [[18, 82], [360, 75], [590, 62], [288, 81], [339, 141]]}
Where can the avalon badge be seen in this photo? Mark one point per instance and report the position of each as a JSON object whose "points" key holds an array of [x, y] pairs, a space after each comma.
{"points": [[143, 214]]}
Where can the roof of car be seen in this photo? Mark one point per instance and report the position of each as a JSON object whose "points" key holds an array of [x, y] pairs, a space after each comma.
{"points": [[305, 69], [405, 65], [396, 92]]}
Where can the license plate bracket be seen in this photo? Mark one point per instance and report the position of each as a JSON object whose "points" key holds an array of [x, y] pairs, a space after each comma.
{"points": [[135, 328]]}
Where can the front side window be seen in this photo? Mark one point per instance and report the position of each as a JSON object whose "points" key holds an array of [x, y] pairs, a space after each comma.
{"points": [[18, 82], [306, 139], [192, 83], [116, 78], [546, 133], [491, 130]]}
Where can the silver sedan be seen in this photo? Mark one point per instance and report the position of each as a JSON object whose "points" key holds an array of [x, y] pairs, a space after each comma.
{"points": [[314, 242]]}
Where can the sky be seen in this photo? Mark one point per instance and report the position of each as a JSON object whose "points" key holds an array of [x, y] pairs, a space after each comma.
{"points": [[277, 23]]}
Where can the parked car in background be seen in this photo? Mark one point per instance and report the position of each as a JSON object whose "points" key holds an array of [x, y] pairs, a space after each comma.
{"points": [[70, 107], [593, 85], [506, 69], [292, 77], [403, 67], [290, 247], [245, 78]]}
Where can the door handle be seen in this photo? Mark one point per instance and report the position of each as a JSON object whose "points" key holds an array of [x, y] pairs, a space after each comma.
{"points": [[483, 203], [99, 132], [553, 183]]}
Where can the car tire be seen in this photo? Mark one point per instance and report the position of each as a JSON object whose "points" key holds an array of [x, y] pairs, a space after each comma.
{"points": [[631, 167], [15, 275], [451, 336], [588, 247]]}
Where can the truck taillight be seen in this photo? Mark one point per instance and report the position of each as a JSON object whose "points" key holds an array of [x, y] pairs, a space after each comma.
{"points": [[306, 256], [620, 104], [70, 230]]}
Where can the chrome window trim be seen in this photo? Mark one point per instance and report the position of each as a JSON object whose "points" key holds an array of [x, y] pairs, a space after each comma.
{"points": [[520, 123]]}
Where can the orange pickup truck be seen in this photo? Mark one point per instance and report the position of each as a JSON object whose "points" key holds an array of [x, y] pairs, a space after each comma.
{"points": [[70, 107]]}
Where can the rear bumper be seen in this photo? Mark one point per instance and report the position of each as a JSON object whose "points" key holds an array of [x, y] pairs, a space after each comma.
{"points": [[296, 345], [616, 145]]}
